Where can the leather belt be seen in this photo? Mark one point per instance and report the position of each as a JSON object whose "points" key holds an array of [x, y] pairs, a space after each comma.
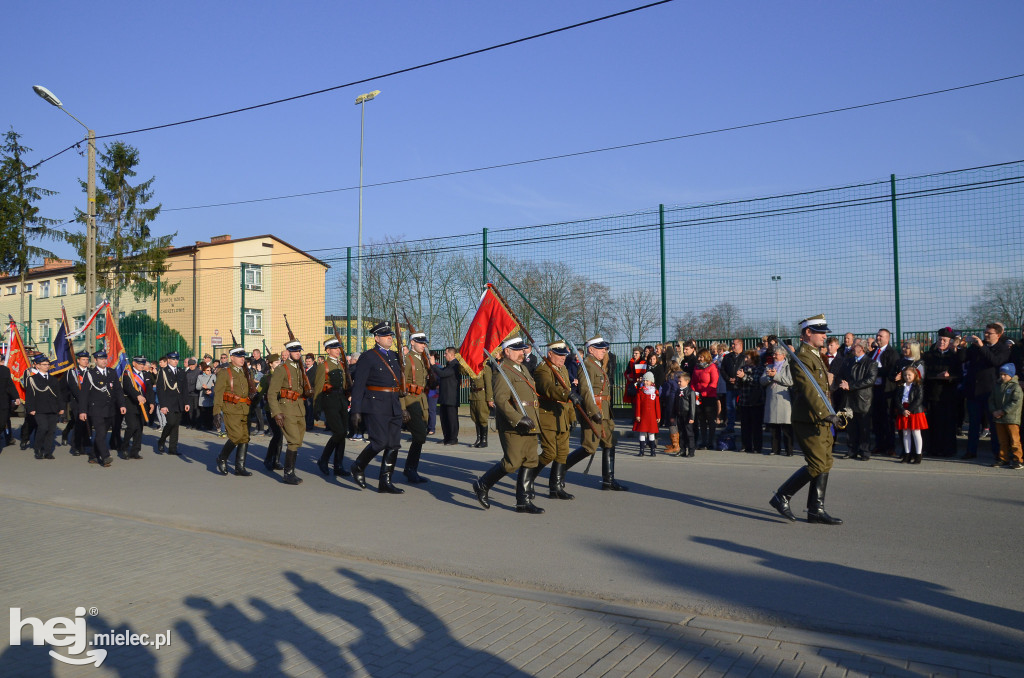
{"points": [[600, 399], [529, 403], [476, 390], [385, 389]]}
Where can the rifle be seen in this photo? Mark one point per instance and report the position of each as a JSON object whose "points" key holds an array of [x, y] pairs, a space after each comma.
{"points": [[401, 358], [431, 377], [579, 408], [307, 388], [248, 374], [347, 381]]}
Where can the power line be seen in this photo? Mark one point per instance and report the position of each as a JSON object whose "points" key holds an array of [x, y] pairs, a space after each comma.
{"points": [[648, 142]]}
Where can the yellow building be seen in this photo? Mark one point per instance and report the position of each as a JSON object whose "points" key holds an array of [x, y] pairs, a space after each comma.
{"points": [[209, 290]]}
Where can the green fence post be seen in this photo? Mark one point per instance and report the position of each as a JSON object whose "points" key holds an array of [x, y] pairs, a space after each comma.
{"points": [[158, 353], [241, 317], [895, 257], [664, 298], [348, 302], [28, 328], [485, 258]]}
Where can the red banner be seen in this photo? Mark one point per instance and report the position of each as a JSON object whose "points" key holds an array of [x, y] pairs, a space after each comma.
{"points": [[17, 360], [491, 325]]}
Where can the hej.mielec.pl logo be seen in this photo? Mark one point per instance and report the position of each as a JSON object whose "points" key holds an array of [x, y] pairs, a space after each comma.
{"points": [[71, 633]]}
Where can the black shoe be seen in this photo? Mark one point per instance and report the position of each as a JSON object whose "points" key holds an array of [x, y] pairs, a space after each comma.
{"points": [[160, 447], [904, 459], [387, 467], [481, 492], [240, 457], [48, 456], [529, 507], [483, 486], [523, 487], [24, 446], [322, 465], [556, 483], [916, 459], [37, 455], [291, 479], [357, 476], [781, 504], [816, 502], [608, 481], [413, 477], [340, 471], [76, 453], [780, 500]]}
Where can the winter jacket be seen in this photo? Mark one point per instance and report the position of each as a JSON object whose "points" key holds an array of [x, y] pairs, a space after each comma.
{"points": [[1007, 397], [705, 381], [777, 397], [731, 362], [982, 363], [751, 393], [912, 402], [685, 406], [648, 410]]}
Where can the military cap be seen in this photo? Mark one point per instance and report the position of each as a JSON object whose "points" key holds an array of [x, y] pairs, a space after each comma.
{"points": [[238, 350], [173, 355], [815, 323], [141, 359], [41, 358], [293, 346], [418, 337], [332, 343], [514, 344], [946, 332], [382, 329], [273, 358], [82, 354], [558, 348], [100, 354], [596, 342]]}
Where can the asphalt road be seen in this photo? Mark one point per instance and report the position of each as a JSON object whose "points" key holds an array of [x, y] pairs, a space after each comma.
{"points": [[929, 554]]}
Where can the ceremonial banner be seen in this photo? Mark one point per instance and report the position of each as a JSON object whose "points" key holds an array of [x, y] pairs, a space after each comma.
{"points": [[491, 325], [116, 356], [17, 360], [63, 351], [88, 321]]}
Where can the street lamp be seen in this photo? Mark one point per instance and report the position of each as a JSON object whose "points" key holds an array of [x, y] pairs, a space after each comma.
{"points": [[90, 224], [361, 102], [777, 279]]}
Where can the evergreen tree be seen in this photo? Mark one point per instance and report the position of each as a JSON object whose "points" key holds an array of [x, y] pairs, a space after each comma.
{"points": [[20, 224], [128, 256]]}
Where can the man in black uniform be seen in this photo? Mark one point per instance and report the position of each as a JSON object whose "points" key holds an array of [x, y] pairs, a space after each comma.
{"points": [[449, 377], [171, 391], [72, 384], [138, 394], [43, 401], [376, 400], [331, 398], [100, 397], [8, 398]]}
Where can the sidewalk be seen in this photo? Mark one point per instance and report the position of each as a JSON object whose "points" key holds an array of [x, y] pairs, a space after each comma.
{"points": [[237, 607]]}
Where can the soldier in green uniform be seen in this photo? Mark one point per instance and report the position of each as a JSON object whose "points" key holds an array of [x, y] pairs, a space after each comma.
{"points": [[481, 400], [417, 369], [597, 403], [232, 396], [515, 392], [556, 417], [812, 426], [286, 396], [330, 395]]}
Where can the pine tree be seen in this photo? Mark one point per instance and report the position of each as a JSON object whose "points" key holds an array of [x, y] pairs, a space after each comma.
{"points": [[20, 224], [128, 256]]}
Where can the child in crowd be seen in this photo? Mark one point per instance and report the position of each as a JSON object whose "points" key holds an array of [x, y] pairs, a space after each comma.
{"points": [[910, 416], [683, 414], [648, 412], [1005, 405]]}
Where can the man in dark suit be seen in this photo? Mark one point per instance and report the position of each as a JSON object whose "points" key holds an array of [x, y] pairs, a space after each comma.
{"points": [[43, 401], [531, 361], [856, 381], [139, 398], [72, 388], [101, 396], [8, 400], [171, 390], [886, 358], [376, 401], [449, 377]]}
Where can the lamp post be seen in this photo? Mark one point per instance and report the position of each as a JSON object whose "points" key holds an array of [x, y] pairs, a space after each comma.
{"points": [[90, 224], [777, 279], [361, 102]]}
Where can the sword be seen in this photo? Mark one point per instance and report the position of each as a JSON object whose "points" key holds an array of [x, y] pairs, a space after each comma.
{"points": [[496, 366], [842, 418]]}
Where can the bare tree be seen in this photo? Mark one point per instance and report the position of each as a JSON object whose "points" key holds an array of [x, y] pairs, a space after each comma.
{"points": [[595, 312], [999, 301], [636, 313]]}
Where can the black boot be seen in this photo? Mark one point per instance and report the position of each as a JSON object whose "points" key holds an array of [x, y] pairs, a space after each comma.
{"points": [[641, 452], [653, 444], [556, 482], [483, 436], [816, 502], [289, 468], [575, 457], [608, 481], [479, 435], [531, 478], [780, 500], [412, 464], [240, 454], [359, 465], [387, 467], [222, 458], [325, 456], [271, 460], [482, 486], [523, 488], [339, 458]]}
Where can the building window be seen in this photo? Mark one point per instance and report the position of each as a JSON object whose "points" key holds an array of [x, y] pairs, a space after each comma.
{"points": [[44, 289], [101, 323], [253, 276], [78, 323], [253, 321], [28, 288], [12, 289], [62, 287], [44, 331], [79, 288]]}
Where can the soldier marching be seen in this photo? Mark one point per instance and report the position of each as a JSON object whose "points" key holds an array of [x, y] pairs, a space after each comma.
{"points": [[287, 393], [233, 392], [331, 390]]}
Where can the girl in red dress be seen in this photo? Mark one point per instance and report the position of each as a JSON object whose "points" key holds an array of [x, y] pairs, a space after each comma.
{"points": [[911, 417], [634, 373], [648, 413]]}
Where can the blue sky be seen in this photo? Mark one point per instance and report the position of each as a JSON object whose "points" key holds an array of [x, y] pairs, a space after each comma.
{"points": [[669, 70]]}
